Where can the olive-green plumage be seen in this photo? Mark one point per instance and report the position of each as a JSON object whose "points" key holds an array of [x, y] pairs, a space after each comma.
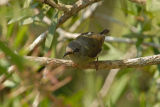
{"points": [[85, 47]]}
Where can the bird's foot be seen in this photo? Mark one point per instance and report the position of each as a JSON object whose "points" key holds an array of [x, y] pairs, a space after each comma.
{"points": [[75, 65], [96, 64]]}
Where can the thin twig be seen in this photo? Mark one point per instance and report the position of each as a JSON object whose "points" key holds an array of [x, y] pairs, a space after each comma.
{"points": [[64, 34], [36, 100], [87, 13], [59, 6], [4, 2], [79, 5], [130, 41], [74, 10], [59, 84], [10, 70], [36, 42], [107, 64]]}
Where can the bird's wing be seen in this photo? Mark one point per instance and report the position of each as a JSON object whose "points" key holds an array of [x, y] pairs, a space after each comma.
{"points": [[94, 50], [91, 43], [89, 46], [86, 34]]}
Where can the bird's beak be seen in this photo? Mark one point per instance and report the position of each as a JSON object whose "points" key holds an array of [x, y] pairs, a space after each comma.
{"points": [[105, 31], [67, 53]]}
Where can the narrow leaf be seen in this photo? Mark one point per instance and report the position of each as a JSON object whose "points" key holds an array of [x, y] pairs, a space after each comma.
{"points": [[20, 36], [14, 58], [51, 32]]}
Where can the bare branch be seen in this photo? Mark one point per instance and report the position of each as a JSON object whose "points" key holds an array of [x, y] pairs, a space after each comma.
{"points": [[36, 100], [59, 6], [3, 2], [38, 40], [130, 41], [87, 13], [64, 34], [75, 9], [10, 70], [107, 64], [80, 4], [105, 88]]}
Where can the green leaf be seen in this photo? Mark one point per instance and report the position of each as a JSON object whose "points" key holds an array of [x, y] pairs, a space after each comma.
{"points": [[21, 14], [15, 59], [27, 3], [143, 100], [28, 21], [139, 48], [10, 30], [3, 69], [153, 5], [118, 88], [74, 99], [51, 32], [147, 26], [20, 36], [45, 103], [129, 7]]}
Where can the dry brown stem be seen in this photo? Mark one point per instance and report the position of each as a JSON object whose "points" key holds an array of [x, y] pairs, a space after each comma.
{"points": [[107, 64]]}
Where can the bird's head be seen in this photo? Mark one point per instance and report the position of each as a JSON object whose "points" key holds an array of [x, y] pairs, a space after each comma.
{"points": [[71, 49]]}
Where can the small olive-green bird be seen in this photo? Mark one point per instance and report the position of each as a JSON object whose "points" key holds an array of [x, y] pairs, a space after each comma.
{"points": [[85, 48]]}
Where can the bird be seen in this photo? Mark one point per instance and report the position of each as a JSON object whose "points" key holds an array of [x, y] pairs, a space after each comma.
{"points": [[85, 48]]}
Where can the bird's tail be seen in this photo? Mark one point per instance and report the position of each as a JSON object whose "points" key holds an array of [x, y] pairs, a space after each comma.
{"points": [[105, 31]]}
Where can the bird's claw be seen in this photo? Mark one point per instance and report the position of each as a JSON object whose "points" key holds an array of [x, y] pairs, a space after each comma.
{"points": [[96, 64]]}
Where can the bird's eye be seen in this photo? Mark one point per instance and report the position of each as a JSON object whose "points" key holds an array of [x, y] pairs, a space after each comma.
{"points": [[76, 50]]}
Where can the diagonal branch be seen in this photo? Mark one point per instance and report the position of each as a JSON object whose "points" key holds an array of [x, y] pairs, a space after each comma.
{"points": [[59, 6], [107, 64], [86, 14], [131, 53], [75, 9], [79, 5], [36, 42]]}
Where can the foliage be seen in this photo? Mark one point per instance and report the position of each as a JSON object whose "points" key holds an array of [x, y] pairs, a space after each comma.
{"points": [[32, 84]]}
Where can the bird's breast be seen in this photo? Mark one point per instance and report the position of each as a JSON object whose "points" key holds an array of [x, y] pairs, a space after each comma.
{"points": [[80, 59]]}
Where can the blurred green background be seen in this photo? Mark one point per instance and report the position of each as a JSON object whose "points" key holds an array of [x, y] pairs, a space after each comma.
{"points": [[22, 21]]}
